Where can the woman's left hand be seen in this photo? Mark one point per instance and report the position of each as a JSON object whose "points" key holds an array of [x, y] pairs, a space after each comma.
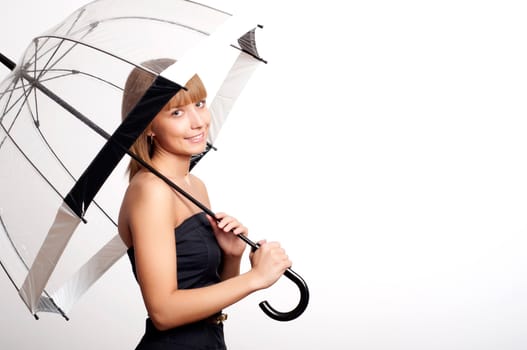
{"points": [[229, 243]]}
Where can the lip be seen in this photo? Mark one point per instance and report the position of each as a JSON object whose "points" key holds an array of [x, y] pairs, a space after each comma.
{"points": [[196, 138]]}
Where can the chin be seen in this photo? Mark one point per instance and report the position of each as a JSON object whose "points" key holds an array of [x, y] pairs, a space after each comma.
{"points": [[198, 150]]}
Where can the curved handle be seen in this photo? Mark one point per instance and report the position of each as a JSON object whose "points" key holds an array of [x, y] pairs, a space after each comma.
{"points": [[293, 276], [299, 309]]}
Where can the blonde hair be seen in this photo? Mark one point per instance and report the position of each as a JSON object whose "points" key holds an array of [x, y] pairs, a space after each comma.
{"points": [[136, 85]]}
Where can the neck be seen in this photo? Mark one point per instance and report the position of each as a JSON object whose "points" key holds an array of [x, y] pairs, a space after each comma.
{"points": [[174, 167]]}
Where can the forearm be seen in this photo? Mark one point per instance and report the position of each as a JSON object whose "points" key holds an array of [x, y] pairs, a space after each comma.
{"points": [[184, 306]]}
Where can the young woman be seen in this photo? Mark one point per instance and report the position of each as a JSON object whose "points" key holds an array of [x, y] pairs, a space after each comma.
{"points": [[187, 264]]}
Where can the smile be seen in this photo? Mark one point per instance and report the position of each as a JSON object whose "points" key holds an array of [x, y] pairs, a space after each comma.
{"points": [[196, 138]]}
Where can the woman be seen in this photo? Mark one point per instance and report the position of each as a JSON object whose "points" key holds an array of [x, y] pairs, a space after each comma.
{"points": [[187, 264]]}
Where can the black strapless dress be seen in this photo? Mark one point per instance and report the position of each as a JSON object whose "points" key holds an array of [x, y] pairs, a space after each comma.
{"points": [[198, 260]]}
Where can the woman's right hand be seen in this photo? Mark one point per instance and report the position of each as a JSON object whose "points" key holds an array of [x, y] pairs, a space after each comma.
{"points": [[269, 263]]}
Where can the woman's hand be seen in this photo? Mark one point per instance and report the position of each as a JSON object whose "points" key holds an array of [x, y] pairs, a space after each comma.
{"points": [[269, 262], [229, 243]]}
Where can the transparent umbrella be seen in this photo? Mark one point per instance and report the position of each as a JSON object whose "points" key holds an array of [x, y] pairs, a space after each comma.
{"points": [[64, 149]]}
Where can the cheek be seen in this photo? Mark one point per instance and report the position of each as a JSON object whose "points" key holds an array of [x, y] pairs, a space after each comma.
{"points": [[207, 117], [166, 133], [156, 125]]}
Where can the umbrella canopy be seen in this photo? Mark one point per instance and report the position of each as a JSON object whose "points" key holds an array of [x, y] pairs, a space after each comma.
{"points": [[62, 142]]}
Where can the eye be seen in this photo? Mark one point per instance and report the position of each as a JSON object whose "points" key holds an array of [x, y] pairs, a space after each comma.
{"points": [[201, 104], [177, 113]]}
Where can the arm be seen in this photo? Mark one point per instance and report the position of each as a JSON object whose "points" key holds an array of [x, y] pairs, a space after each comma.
{"points": [[152, 226]]}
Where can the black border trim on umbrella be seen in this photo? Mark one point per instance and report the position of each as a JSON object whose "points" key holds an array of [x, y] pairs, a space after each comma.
{"points": [[93, 178]]}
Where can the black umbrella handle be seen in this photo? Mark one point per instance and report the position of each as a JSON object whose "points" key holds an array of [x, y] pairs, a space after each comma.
{"points": [[299, 309], [293, 276]]}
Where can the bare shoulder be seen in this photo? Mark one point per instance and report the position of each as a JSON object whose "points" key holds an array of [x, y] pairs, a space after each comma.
{"points": [[147, 186], [147, 195]]}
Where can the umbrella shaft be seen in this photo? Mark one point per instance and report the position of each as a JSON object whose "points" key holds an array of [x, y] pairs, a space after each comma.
{"points": [[7, 62], [35, 83]]}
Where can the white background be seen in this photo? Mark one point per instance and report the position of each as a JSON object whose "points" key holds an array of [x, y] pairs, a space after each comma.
{"points": [[384, 145]]}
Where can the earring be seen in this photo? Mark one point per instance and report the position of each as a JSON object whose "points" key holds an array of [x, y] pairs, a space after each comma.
{"points": [[150, 142]]}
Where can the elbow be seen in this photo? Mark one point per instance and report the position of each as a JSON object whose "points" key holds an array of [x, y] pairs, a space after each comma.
{"points": [[160, 321], [164, 320]]}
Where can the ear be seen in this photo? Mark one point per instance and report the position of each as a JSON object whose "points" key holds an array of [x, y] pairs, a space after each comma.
{"points": [[149, 131]]}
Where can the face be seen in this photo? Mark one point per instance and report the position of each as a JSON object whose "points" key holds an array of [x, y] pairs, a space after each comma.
{"points": [[182, 129]]}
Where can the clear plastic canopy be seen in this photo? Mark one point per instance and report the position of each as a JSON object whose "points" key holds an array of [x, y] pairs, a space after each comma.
{"points": [[61, 131]]}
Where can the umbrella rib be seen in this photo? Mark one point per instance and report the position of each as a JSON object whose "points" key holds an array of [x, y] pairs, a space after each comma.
{"points": [[94, 24], [249, 53], [36, 118], [27, 93], [46, 180], [209, 7], [55, 47], [13, 245], [49, 146], [8, 130], [92, 27], [68, 31], [43, 70], [85, 120], [22, 96], [70, 72], [11, 91], [31, 163], [97, 49], [81, 12], [57, 192], [8, 275], [67, 73], [25, 96], [155, 20], [70, 174], [64, 54], [22, 260]]}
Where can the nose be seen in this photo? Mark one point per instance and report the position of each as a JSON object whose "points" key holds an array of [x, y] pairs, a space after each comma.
{"points": [[197, 118]]}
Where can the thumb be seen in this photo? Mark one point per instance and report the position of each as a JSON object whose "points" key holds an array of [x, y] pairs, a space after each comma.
{"points": [[213, 223], [211, 219]]}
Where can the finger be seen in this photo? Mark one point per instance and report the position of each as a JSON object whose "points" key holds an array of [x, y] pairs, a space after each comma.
{"points": [[225, 221], [272, 245], [229, 225], [220, 215], [212, 220], [260, 243], [241, 230], [236, 227]]}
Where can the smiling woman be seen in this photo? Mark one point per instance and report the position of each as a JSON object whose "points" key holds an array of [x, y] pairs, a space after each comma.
{"points": [[186, 263], [137, 83], [60, 108]]}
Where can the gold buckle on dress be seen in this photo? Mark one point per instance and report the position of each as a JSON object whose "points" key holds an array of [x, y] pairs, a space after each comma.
{"points": [[220, 318]]}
